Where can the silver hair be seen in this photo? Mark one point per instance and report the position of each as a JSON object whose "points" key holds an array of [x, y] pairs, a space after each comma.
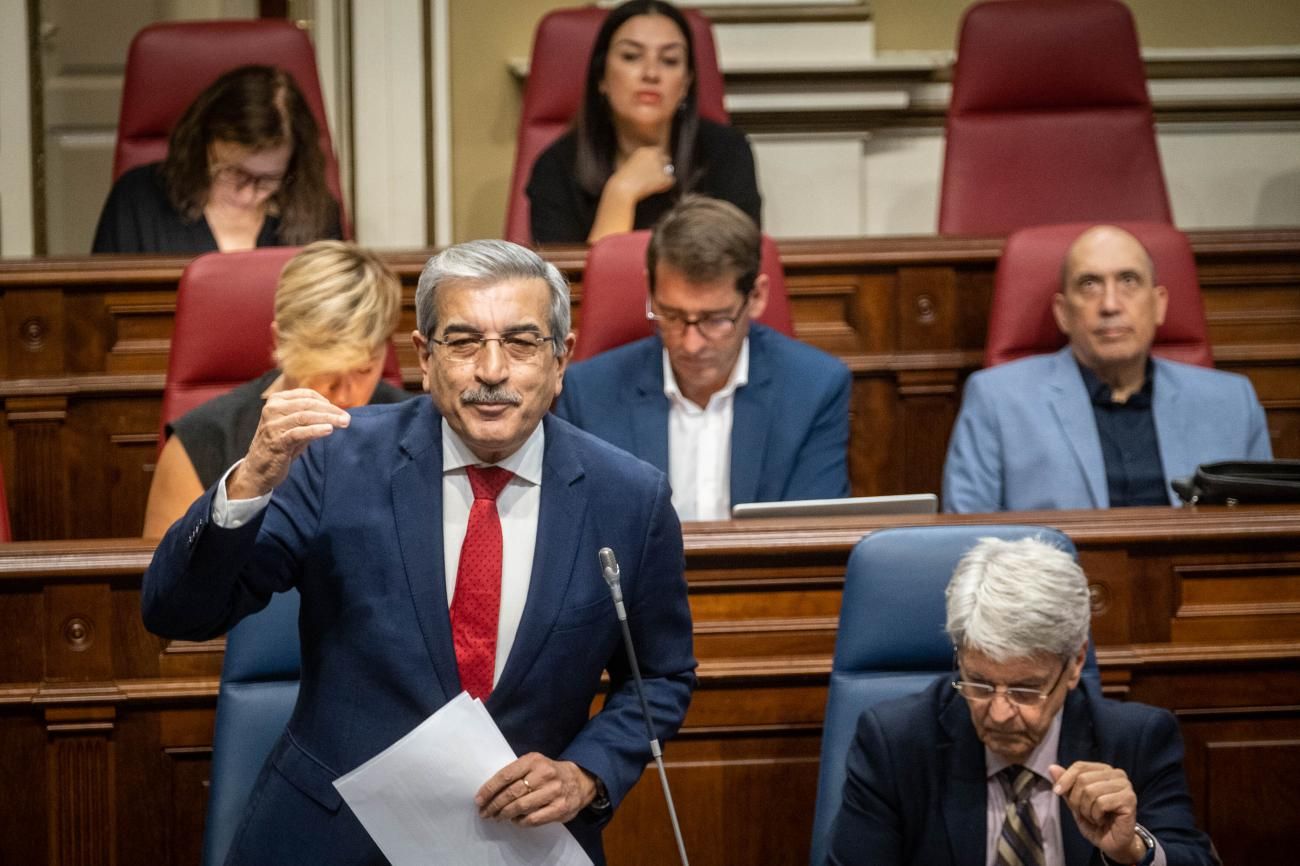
{"points": [[1016, 599], [485, 263]]}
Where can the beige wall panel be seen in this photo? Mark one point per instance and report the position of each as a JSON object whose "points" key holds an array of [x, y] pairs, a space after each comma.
{"points": [[932, 24], [485, 102]]}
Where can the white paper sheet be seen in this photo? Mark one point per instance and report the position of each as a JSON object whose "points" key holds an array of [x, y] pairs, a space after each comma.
{"points": [[416, 798]]}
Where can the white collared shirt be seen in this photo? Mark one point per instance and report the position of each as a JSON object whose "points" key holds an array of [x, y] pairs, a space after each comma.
{"points": [[518, 506], [699, 444]]}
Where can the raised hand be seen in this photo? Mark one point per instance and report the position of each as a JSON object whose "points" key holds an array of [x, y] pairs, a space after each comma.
{"points": [[1104, 806], [290, 421]]}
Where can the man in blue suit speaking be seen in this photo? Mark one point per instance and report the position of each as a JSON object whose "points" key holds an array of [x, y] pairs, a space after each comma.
{"points": [[1101, 423], [1015, 759], [732, 410], [438, 546]]}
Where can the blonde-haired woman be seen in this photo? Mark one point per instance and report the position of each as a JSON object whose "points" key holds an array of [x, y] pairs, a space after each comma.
{"points": [[336, 307]]}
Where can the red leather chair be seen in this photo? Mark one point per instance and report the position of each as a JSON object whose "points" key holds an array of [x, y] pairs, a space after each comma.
{"points": [[1049, 120], [557, 76], [171, 63], [1029, 274], [614, 291], [222, 332]]}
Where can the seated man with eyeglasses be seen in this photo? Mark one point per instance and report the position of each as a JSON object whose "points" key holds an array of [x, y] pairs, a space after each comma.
{"points": [[732, 410], [1016, 759]]}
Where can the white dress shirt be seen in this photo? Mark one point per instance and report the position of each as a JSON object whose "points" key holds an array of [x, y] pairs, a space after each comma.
{"points": [[518, 507], [699, 444]]}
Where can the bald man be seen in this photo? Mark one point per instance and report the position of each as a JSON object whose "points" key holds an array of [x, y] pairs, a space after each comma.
{"points": [[1101, 423]]}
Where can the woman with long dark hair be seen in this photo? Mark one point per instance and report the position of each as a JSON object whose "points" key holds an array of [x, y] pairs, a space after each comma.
{"points": [[244, 169], [638, 143]]}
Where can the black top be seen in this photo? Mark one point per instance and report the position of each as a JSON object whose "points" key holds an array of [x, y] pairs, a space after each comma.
{"points": [[139, 218], [218, 433], [563, 212], [1134, 474]]}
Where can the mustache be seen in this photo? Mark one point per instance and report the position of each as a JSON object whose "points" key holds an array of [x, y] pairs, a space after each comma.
{"points": [[491, 394]]}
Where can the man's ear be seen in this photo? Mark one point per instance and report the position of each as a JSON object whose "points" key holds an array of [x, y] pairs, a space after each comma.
{"points": [[1077, 663], [1059, 313], [758, 297], [1162, 304], [422, 355]]}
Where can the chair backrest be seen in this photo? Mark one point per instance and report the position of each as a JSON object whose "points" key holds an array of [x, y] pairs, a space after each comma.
{"points": [[221, 337], [1029, 274], [614, 291], [170, 63], [1049, 120], [6, 532], [557, 76], [259, 686], [891, 640]]}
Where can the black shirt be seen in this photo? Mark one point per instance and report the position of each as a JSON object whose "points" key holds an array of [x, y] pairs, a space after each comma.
{"points": [[561, 211], [139, 218], [1129, 448]]}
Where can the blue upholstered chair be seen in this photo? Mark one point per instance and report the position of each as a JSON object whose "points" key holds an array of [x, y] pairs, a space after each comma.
{"points": [[891, 639], [259, 685]]}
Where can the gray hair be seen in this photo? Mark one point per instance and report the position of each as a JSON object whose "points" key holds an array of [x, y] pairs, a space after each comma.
{"points": [[486, 263], [1015, 599]]}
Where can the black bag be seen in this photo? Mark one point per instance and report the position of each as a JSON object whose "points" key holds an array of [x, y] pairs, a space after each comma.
{"points": [[1246, 482]]}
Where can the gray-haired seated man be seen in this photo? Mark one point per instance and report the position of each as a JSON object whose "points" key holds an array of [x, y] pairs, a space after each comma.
{"points": [[1014, 759]]}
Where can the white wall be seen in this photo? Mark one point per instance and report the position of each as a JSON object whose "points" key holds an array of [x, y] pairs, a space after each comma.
{"points": [[17, 235]]}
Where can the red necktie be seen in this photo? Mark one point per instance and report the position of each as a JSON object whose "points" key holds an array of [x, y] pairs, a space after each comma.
{"points": [[477, 597]]}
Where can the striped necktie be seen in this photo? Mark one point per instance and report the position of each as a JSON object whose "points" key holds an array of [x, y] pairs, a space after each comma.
{"points": [[1021, 842]]}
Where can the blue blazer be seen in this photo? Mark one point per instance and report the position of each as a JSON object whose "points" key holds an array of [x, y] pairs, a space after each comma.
{"points": [[357, 527], [915, 791], [790, 428], [1026, 437]]}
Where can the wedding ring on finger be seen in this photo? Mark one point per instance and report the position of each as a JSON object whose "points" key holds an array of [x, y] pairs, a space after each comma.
{"points": [[528, 786]]}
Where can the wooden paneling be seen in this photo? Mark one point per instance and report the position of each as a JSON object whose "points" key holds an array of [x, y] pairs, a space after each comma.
{"points": [[85, 354], [107, 729]]}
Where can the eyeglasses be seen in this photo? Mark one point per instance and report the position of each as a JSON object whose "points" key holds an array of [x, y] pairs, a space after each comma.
{"points": [[982, 693], [240, 179], [517, 347], [713, 326]]}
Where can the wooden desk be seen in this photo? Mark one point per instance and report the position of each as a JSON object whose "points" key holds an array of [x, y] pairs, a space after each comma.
{"points": [[81, 370], [106, 729]]}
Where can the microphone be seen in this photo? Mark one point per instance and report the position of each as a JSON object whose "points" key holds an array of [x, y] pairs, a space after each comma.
{"points": [[609, 570]]}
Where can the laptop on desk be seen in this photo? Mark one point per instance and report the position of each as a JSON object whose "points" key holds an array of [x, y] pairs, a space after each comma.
{"points": [[908, 503]]}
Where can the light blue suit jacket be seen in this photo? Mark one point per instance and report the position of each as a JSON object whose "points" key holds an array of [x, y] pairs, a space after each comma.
{"points": [[1026, 437], [790, 428], [357, 528]]}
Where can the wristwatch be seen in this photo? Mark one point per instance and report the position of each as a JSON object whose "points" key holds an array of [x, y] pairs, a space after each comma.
{"points": [[599, 805], [1147, 839], [1150, 841]]}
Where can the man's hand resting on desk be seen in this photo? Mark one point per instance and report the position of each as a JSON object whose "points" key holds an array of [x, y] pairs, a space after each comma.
{"points": [[290, 421]]}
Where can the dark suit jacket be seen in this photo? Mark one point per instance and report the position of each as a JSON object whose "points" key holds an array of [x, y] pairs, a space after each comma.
{"points": [[357, 527], [916, 792], [790, 429]]}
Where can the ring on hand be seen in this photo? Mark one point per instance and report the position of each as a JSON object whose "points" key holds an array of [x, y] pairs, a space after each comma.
{"points": [[526, 785], [669, 169]]}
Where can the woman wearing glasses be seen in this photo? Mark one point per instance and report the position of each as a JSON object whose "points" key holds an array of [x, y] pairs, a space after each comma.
{"points": [[244, 169], [336, 306]]}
